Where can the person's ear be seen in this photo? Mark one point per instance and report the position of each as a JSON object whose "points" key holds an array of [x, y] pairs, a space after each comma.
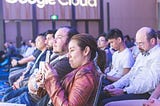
{"points": [[119, 39], [153, 41], [86, 50]]}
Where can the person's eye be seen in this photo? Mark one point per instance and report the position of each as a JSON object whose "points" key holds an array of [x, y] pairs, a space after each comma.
{"points": [[71, 50]]}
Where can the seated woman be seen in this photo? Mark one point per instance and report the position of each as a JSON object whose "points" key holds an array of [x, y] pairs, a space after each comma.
{"points": [[152, 101], [79, 86]]}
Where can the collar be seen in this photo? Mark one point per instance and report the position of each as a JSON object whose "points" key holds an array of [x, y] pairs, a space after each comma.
{"points": [[147, 53]]}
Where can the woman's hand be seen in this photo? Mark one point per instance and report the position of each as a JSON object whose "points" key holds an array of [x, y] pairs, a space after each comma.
{"points": [[40, 79], [49, 71], [46, 72]]}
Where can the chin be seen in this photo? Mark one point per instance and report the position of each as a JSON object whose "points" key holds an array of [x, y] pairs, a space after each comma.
{"points": [[73, 66]]}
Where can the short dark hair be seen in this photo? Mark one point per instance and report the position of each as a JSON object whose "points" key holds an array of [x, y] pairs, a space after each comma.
{"points": [[42, 34], [158, 34], [115, 33], [50, 32], [151, 34]]}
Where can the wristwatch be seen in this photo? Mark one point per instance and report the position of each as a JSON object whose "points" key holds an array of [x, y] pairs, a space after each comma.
{"points": [[124, 91]]}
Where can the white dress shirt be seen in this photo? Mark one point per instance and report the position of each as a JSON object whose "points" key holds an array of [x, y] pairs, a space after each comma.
{"points": [[144, 75]]}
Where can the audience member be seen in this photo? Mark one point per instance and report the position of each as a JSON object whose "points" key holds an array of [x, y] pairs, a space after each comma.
{"points": [[158, 37], [23, 48], [10, 50], [102, 43], [50, 38], [2, 56], [31, 48], [128, 41], [120, 64]]}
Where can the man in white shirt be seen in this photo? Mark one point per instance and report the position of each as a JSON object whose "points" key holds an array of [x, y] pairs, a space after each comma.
{"points": [[144, 75], [122, 59]]}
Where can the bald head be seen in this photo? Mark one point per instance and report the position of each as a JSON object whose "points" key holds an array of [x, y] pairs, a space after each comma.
{"points": [[146, 32], [146, 38]]}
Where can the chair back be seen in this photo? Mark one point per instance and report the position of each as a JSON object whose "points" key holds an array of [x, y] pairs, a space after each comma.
{"points": [[98, 90]]}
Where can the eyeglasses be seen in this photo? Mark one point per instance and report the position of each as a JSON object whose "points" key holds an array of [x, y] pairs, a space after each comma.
{"points": [[140, 43]]}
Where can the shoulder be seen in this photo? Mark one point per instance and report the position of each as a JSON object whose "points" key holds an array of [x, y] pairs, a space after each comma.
{"points": [[88, 69], [64, 62], [155, 52], [63, 65], [127, 53], [36, 52], [127, 50]]}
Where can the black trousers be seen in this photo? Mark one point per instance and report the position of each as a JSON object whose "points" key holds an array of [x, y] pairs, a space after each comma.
{"points": [[108, 99]]}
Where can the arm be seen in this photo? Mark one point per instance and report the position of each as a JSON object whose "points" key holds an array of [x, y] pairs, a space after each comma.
{"points": [[123, 81], [113, 79], [32, 57], [156, 93], [22, 61], [152, 101], [26, 60], [147, 79]]}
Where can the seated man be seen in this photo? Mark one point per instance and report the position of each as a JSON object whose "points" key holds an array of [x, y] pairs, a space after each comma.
{"points": [[144, 75], [122, 59]]}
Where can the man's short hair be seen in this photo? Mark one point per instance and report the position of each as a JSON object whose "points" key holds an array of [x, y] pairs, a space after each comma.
{"points": [[151, 34], [158, 34], [114, 34], [50, 32]]}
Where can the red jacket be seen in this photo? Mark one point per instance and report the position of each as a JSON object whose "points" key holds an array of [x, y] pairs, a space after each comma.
{"points": [[77, 89]]}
